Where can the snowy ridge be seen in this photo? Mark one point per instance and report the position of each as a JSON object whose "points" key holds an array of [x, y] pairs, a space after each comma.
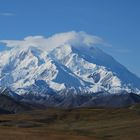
{"points": [[31, 70]]}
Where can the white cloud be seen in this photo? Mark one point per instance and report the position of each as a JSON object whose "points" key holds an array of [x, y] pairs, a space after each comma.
{"points": [[73, 38], [7, 14]]}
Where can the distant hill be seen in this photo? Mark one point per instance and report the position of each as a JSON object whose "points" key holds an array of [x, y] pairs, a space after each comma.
{"points": [[9, 105]]}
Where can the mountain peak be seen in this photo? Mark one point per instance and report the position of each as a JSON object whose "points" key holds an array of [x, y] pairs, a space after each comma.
{"points": [[72, 61]]}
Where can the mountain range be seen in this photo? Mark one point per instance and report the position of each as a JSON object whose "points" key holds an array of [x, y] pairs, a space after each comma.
{"points": [[68, 70]]}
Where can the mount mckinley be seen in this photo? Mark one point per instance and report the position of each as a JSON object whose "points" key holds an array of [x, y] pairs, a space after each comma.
{"points": [[72, 72]]}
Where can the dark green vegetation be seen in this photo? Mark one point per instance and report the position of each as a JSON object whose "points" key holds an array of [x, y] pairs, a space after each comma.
{"points": [[72, 124]]}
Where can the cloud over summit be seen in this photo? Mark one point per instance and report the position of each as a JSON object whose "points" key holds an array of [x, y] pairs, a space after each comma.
{"points": [[73, 38]]}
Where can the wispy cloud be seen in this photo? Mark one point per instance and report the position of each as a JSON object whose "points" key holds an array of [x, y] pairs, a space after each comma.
{"points": [[72, 38], [7, 14]]}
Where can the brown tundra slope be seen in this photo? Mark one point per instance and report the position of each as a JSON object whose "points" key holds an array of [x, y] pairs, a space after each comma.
{"points": [[72, 124]]}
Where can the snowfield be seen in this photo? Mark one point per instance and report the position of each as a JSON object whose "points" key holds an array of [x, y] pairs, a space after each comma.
{"points": [[71, 62]]}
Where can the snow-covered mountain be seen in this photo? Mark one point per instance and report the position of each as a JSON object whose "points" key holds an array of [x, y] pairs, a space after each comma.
{"points": [[31, 70]]}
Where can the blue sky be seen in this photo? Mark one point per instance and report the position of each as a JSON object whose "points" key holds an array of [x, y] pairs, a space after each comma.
{"points": [[116, 21]]}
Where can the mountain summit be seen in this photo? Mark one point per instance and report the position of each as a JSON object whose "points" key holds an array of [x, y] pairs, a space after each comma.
{"points": [[72, 65]]}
